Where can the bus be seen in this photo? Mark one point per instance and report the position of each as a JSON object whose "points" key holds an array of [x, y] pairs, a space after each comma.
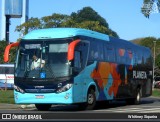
{"points": [[81, 67], [6, 76]]}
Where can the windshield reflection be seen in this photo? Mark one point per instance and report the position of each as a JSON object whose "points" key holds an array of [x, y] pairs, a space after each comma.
{"points": [[43, 59]]}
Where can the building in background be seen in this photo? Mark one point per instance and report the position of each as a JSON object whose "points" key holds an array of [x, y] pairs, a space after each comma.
{"points": [[12, 9]]}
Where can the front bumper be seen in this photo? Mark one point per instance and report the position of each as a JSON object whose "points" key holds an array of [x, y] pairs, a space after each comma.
{"points": [[50, 98]]}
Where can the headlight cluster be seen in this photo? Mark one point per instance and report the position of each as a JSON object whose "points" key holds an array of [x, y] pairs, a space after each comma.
{"points": [[64, 88], [18, 89]]}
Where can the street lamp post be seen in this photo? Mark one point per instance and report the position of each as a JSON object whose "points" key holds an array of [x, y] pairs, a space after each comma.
{"points": [[154, 57]]}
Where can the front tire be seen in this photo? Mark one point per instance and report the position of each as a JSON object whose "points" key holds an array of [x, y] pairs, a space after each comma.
{"points": [[43, 107], [91, 101]]}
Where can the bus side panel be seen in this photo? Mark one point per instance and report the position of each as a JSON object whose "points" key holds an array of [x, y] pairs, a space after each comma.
{"points": [[103, 75], [142, 81], [82, 82], [108, 80], [112, 83], [147, 88]]}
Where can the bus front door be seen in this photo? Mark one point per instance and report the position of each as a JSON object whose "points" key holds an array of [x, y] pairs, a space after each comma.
{"points": [[80, 61]]}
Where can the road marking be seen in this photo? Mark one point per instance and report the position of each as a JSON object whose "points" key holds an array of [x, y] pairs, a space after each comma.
{"points": [[139, 110], [154, 111]]}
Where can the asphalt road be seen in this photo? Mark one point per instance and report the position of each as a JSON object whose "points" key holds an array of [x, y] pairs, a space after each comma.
{"points": [[113, 110], [150, 104]]}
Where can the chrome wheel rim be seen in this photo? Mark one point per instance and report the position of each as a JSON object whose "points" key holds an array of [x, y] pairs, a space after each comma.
{"points": [[90, 99], [138, 97]]}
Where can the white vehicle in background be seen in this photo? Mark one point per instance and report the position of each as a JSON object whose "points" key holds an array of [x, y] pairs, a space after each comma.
{"points": [[6, 75], [157, 82]]}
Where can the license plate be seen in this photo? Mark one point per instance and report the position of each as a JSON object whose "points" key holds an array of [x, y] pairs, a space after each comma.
{"points": [[39, 96]]}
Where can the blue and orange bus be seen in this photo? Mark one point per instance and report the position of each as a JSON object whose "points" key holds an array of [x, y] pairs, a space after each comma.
{"points": [[81, 67]]}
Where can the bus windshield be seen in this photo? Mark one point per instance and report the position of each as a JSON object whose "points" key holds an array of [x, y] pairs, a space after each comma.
{"points": [[42, 59]]}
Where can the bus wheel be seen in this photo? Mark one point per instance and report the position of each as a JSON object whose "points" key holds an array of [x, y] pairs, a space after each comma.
{"points": [[136, 100], [91, 101], [43, 107]]}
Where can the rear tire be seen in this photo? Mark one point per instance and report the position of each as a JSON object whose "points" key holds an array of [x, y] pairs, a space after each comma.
{"points": [[138, 97], [43, 107], [136, 100], [91, 101]]}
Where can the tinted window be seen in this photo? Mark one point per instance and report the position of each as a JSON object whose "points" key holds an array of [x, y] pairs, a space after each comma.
{"points": [[96, 50], [109, 53], [121, 55], [129, 56]]}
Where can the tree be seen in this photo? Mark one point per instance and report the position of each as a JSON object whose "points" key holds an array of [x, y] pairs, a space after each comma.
{"points": [[31, 24], [148, 42], [90, 19], [55, 20], [150, 6], [88, 14], [86, 18]]}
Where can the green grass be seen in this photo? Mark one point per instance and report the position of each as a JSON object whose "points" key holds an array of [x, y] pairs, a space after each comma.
{"points": [[156, 93], [6, 96]]}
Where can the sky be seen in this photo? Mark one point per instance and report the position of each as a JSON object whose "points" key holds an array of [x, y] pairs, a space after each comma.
{"points": [[123, 16]]}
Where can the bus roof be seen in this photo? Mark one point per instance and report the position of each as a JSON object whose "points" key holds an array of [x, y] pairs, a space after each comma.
{"points": [[6, 65], [64, 33], [55, 33], [127, 44]]}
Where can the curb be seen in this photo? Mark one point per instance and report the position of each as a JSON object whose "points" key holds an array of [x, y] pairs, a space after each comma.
{"points": [[15, 106], [154, 97], [27, 106]]}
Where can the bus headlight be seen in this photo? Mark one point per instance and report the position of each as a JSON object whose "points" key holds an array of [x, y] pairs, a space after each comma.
{"points": [[18, 89], [64, 88]]}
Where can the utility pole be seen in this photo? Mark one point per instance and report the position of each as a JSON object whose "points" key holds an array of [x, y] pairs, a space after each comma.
{"points": [[7, 28], [12, 9], [154, 57]]}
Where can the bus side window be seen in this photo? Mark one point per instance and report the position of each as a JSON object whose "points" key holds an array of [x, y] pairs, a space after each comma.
{"points": [[140, 59], [129, 56], [77, 60], [148, 59], [121, 55], [109, 53], [135, 58], [96, 51]]}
